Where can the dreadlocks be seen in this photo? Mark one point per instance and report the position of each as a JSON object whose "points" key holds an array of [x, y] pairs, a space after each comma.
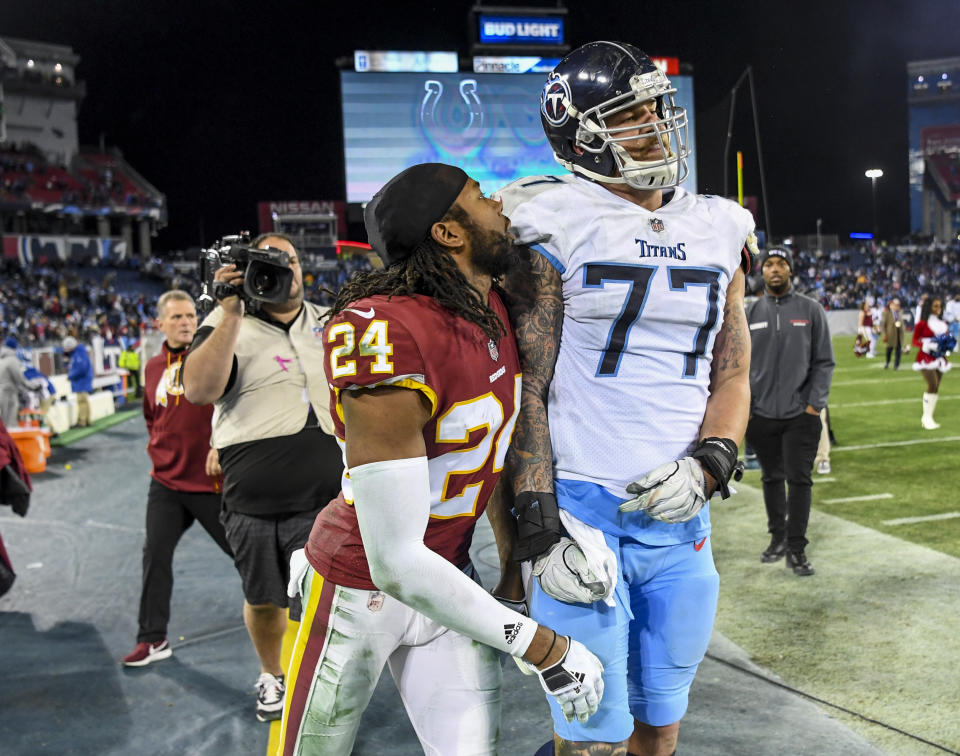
{"points": [[430, 271]]}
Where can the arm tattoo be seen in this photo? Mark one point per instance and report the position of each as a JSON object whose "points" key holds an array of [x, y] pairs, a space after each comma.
{"points": [[731, 351], [537, 325], [577, 748]]}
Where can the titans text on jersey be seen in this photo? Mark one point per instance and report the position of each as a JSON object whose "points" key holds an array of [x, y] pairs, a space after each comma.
{"points": [[643, 296], [658, 250]]}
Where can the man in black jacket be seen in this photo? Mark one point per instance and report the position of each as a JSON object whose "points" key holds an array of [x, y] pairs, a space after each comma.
{"points": [[791, 366]]}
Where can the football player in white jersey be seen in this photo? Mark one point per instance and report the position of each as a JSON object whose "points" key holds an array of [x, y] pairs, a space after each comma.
{"points": [[647, 393]]}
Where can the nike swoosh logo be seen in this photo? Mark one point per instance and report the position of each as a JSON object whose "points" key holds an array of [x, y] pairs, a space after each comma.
{"points": [[697, 545], [361, 313]]}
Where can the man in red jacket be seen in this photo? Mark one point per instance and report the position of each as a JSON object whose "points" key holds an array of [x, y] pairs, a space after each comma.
{"points": [[185, 482]]}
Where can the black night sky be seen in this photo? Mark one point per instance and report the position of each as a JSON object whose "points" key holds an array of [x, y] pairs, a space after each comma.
{"points": [[221, 103]]}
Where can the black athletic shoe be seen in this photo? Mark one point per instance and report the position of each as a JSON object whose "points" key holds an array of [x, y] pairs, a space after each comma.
{"points": [[797, 561], [775, 551]]}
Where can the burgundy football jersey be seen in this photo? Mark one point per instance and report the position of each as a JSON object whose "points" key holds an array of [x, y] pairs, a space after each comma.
{"points": [[473, 386]]}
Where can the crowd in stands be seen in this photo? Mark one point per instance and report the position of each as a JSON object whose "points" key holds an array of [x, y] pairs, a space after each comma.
{"points": [[26, 174], [843, 279], [44, 304], [321, 285]]}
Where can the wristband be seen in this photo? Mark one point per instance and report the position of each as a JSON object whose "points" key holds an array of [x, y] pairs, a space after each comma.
{"points": [[538, 524], [719, 458], [552, 644]]}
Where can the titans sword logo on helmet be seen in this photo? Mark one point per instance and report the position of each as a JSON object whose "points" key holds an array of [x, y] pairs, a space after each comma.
{"points": [[555, 92]]}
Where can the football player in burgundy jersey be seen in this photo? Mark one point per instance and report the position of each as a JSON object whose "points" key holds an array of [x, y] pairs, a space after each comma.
{"points": [[425, 385]]}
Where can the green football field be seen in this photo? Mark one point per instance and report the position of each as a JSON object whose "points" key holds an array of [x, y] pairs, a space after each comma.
{"points": [[876, 631], [883, 452]]}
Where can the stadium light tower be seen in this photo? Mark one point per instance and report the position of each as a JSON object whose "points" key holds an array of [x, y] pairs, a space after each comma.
{"points": [[873, 174]]}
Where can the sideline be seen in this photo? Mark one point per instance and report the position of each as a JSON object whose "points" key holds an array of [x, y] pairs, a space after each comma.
{"points": [[859, 369], [289, 639], [846, 499], [911, 442], [76, 434], [880, 402], [925, 518], [861, 381], [867, 582]]}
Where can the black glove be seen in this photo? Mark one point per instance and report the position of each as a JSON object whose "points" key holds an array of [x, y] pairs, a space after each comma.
{"points": [[718, 456], [538, 524]]}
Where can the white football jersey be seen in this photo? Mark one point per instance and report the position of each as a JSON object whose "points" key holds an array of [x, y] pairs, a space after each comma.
{"points": [[643, 296]]}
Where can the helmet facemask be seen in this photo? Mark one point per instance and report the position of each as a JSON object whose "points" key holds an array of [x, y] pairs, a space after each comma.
{"points": [[594, 136]]}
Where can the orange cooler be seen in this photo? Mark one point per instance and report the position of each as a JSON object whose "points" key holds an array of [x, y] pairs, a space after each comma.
{"points": [[34, 446]]}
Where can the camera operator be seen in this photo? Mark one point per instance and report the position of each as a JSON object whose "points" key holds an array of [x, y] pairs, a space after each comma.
{"points": [[264, 373]]}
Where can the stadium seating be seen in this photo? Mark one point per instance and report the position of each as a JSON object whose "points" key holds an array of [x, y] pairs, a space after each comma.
{"points": [[99, 179], [947, 169]]}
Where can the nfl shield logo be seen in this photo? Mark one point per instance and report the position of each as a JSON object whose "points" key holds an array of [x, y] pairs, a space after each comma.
{"points": [[494, 352], [656, 224]]}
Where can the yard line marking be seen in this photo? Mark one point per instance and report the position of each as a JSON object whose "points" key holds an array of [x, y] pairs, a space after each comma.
{"points": [[857, 369], [111, 526], [824, 480], [861, 381], [61, 524], [206, 637], [872, 497], [878, 402], [835, 449], [928, 518]]}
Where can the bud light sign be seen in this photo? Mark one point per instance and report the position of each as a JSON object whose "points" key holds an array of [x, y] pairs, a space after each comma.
{"points": [[526, 30]]}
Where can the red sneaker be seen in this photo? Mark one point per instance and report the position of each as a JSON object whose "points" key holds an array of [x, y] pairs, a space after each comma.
{"points": [[147, 653]]}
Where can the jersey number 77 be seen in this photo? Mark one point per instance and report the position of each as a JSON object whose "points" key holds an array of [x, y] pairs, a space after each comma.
{"points": [[640, 277]]}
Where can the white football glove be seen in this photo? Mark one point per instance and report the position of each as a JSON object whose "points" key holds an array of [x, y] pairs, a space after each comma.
{"points": [[576, 681], [673, 492], [564, 575]]}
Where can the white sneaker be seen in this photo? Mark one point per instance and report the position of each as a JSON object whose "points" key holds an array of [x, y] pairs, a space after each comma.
{"points": [[823, 467], [270, 692], [929, 423]]}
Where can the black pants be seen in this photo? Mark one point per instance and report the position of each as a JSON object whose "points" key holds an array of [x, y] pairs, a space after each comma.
{"points": [[169, 514], [890, 350], [786, 450]]}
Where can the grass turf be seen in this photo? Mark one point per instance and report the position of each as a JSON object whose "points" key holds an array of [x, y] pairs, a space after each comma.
{"points": [[75, 434], [876, 629]]}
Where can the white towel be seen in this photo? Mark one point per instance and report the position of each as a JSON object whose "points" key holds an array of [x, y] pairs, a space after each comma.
{"points": [[600, 558], [298, 570]]}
